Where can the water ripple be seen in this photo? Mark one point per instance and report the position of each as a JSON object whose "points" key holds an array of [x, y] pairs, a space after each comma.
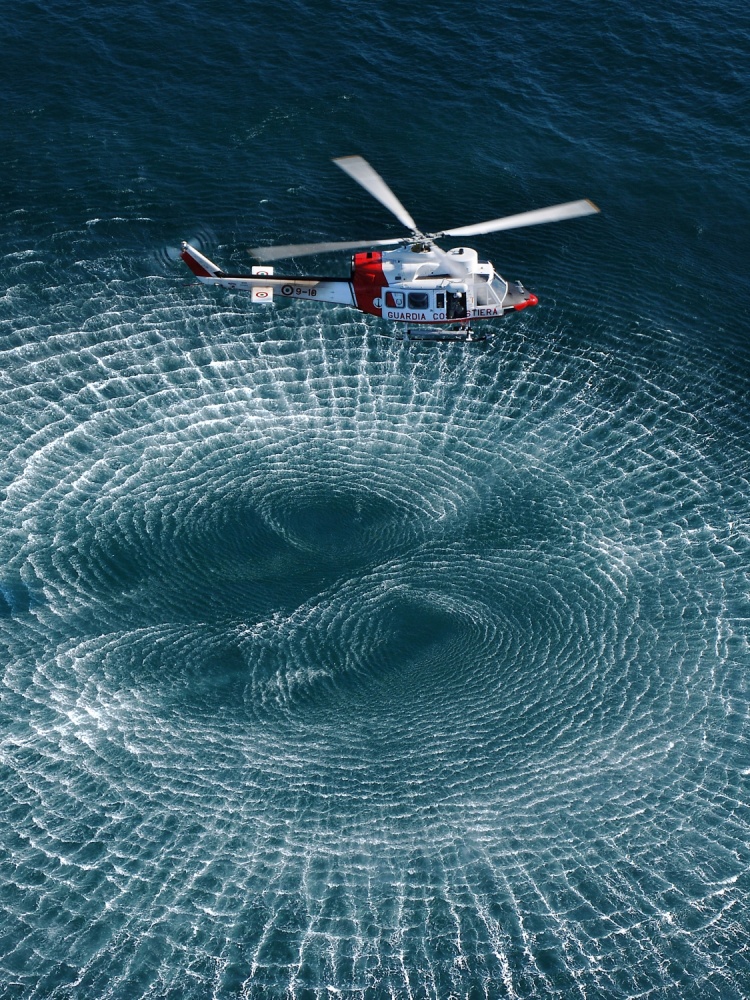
{"points": [[334, 664]]}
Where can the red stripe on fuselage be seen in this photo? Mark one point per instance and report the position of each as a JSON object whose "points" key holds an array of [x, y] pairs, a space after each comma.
{"points": [[368, 281]]}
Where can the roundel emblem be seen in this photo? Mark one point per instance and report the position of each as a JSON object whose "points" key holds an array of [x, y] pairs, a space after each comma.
{"points": [[260, 294], [286, 289]]}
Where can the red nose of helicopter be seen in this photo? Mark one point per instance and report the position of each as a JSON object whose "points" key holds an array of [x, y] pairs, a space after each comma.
{"points": [[518, 298], [530, 300]]}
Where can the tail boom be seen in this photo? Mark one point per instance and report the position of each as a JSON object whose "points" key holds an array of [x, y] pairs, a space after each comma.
{"points": [[313, 289]]}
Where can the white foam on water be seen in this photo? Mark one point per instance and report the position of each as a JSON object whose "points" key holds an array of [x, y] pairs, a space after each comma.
{"points": [[329, 655]]}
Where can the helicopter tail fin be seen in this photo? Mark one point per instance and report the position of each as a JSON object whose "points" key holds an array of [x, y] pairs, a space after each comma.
{"points": [[201, 266]]}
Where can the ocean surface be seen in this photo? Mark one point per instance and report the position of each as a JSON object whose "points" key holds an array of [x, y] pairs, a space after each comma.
{"points": [[337, 666]]}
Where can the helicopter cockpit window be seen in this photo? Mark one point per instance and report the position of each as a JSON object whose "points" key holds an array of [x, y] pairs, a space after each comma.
{"points": [[482, 293], [394, 300], [418, 300]]}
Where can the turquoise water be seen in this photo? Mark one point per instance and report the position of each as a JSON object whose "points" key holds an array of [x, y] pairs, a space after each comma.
{"points": [[334, 665]]}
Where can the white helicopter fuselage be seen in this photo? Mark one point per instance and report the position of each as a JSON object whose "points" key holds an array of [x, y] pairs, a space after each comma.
{"points": [[412, 285], [407, 285], [418, 283]]}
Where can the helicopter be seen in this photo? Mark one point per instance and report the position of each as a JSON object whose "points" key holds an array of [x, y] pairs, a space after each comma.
{"points": [[438, 294]]}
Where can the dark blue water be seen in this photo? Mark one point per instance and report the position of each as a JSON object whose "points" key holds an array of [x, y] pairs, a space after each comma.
{"points": [[333, 665]]}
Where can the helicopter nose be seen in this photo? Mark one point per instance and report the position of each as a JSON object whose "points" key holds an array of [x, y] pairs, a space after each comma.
{"points": [[530, 300]]}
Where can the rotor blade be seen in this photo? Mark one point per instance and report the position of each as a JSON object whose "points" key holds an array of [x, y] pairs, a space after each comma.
{"points": [[361, 171], [554, 213], [305, 249]]}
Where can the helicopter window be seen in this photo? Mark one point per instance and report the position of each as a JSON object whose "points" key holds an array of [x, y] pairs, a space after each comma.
{"points": [[395, 300], [418, 300], [481, 294], [440, 300], [498, 288]]}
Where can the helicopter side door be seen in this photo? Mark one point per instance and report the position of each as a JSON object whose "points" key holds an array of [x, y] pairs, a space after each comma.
{"points": [[455, 306]]}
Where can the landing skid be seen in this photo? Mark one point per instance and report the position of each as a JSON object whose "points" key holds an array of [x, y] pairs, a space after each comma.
{"points": [[460, 334]]}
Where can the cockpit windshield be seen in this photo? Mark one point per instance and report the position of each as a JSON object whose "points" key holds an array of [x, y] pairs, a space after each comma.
{"points": [[489, 293]]}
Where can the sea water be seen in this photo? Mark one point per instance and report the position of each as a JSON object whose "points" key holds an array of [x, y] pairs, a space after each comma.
{"points": [[339, 666]]}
